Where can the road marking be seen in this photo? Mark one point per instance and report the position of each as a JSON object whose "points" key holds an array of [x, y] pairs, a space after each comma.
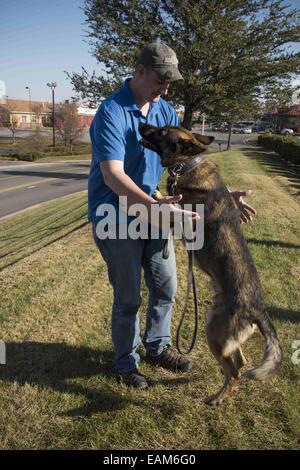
{"points": [[26, 184], [37, 182]]}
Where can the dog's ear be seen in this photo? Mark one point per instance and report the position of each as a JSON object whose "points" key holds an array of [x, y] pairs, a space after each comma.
{"points": [[189, 147], [204, 139]]}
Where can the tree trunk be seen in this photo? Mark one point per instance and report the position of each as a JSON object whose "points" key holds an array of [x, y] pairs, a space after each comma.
{"points": [[13, 133], [229, 137], [188, 115]]}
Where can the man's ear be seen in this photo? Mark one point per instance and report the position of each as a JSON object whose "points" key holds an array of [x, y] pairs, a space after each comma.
{"points": [[204, 139], [140, 69]]}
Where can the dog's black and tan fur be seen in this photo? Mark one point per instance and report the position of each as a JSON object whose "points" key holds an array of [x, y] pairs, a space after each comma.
{"points": [[239, 304]]}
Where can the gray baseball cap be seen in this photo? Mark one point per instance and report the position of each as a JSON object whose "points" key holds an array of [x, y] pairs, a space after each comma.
{"points": [[162, 59]]}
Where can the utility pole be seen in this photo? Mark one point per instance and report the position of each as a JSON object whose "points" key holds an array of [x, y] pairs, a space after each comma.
{"points": [[27, 88], [52, 86]]}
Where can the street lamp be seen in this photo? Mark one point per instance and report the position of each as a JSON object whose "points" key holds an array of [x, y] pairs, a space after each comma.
{"points": [[27, 88], [52, 86]]}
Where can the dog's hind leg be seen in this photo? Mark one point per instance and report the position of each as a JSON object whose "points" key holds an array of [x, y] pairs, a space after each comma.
{"points": [[239, 359], [232, 376]]}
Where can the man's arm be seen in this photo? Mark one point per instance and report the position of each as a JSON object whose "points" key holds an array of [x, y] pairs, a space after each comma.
{"points": [[121, 184]]}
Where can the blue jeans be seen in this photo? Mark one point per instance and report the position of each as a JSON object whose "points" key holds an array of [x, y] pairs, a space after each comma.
{"points": [[125, 260]]}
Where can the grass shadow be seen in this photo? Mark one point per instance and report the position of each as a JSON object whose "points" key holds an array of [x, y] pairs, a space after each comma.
{"points": [[58, 366], [272, 243], [276, 165]]}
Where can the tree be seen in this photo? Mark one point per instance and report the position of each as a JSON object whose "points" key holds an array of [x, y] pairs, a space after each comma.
{"points": [[8, 120], [66, 123], [219, 43], [234, 110], [4, 116], [37, 110], [278, 93]]}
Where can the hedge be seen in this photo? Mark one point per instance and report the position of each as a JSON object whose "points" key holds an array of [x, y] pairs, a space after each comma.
{"points": [[32, 156], [286, 146]]}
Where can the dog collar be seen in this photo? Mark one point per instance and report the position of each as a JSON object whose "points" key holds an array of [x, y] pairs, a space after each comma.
{"points": [[181, 168]]}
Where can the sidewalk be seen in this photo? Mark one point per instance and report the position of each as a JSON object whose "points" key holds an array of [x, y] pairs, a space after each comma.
{"points": [[4, 163]]}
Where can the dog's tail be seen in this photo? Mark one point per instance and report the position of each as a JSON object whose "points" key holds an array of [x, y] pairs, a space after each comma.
{"points": [[272, 352]]}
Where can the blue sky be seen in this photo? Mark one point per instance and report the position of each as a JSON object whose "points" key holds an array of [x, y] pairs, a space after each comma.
{"points": [[39, 40]]}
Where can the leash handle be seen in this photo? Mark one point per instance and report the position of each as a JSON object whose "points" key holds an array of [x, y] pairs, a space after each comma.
{"points": [[191, 282]]}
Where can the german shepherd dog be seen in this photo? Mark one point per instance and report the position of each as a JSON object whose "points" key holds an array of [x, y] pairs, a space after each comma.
{"points": [[239, 304]]}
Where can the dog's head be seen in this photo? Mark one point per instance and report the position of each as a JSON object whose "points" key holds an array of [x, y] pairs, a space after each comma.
{"points": [[173, 144]]}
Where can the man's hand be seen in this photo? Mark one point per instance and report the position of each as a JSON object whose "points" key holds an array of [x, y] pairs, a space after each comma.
{"points": [[242, 205], [177, 211]]}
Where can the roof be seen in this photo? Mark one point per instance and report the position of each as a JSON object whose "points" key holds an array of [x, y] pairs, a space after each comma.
{"points": [[84, 110], [22, 106]]}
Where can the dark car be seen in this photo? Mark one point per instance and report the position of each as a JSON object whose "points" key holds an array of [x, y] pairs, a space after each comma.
{"points": [[216, 127]]}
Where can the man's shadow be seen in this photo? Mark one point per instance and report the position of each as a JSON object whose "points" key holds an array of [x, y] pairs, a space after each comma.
{"points": [[54, 365]]}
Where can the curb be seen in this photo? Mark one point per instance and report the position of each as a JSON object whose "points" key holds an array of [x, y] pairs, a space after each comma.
{"points": [[35, 206]]}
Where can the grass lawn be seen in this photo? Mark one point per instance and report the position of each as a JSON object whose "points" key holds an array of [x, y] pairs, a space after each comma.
{"points": [[58, 389]]}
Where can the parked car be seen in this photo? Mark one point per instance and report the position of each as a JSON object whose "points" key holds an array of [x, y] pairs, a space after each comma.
{"points": [[237, 128], [286, 131], [216, 127], [246, 130]]}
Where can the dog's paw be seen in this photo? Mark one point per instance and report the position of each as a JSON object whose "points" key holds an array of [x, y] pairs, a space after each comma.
{"points": [[157, 195], [214, 400]]}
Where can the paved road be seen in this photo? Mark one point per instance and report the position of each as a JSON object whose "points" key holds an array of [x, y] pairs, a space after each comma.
{"points": [[237, 140], [22, 186]]}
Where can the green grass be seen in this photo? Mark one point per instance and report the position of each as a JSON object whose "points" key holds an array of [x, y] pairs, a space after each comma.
{"points": [[34, 229], [58, 389]]}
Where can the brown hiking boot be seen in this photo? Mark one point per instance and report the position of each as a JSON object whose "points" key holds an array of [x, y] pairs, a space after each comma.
{"points": [[170, 360], [135, 379]]}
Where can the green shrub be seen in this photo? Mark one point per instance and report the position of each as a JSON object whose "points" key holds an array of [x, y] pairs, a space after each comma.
{"points": [[29, 157], [287, 147]]}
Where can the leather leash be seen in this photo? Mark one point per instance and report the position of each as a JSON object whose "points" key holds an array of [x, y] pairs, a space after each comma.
{"points": [[176, 172], [191, 281]]}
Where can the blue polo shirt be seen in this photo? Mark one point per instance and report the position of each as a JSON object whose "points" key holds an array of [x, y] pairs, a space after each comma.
{"points": [[115, 136]]}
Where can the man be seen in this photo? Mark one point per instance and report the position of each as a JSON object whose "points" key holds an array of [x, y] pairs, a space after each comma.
{"points": [[122, 167]]}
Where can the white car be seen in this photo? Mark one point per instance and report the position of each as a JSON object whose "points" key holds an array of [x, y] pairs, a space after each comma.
{"points": [[246, 130], [286, 131]]}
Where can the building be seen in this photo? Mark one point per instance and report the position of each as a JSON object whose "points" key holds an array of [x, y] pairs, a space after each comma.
{"points": [[286, 116], [28, 114], [34, 114], [86, 115]]}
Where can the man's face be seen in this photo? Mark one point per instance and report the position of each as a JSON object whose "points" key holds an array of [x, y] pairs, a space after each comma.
{"points": [[153, 87]]}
